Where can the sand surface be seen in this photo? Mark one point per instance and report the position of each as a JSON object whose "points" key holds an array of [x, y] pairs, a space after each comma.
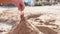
{"points": [[40, 20]]}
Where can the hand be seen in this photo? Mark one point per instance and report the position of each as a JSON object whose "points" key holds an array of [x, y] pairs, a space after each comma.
{"points": [[21, 6]]}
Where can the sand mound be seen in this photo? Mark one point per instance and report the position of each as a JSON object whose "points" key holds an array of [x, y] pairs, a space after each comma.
{"points": [[44, 23]]}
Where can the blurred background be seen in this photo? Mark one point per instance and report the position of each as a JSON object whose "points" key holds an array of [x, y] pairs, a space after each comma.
{"points": [[41, 2], [38, 3]]}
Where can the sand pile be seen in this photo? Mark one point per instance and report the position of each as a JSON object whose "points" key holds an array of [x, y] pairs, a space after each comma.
{"points": [[44, 23]]}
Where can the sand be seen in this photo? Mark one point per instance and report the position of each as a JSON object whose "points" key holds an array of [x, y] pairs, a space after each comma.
{"points": [[34, 21]]}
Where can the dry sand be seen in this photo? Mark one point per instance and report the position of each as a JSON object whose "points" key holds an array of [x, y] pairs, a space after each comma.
{"points": [[36, 20]]}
